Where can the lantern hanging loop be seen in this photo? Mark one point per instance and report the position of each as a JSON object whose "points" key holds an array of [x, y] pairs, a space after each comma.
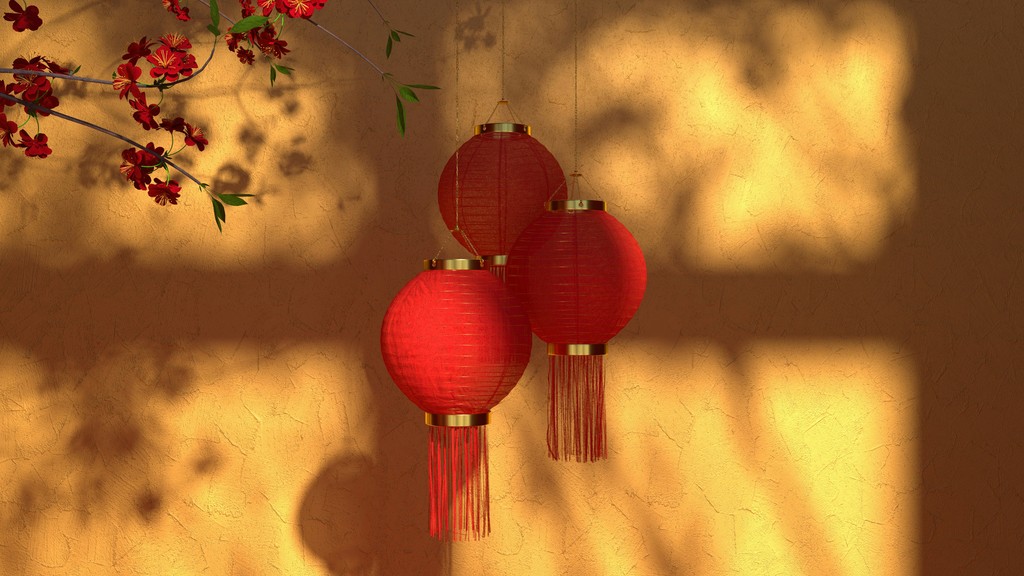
{"points": [[504, 105], [574, 191]]}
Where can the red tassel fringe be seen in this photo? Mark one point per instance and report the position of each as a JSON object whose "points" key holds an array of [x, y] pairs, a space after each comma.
{"points": [[459, 488], [576, 423], [576, 404]]}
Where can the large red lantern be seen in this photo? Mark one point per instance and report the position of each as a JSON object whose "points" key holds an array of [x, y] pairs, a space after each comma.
{"points": [[455, 341], [581, 276], [494, 186]]}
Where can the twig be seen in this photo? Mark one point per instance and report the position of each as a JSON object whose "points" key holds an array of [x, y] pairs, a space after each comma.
{"points": [[375, 9], [347, 45]]}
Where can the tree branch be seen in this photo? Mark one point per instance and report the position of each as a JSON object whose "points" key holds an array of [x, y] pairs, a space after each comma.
{"points": [[31, 106]]}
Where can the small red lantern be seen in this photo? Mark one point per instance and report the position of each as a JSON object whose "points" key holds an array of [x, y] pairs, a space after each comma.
{"points": [[455, 341], [581, 276], [494, 186]]}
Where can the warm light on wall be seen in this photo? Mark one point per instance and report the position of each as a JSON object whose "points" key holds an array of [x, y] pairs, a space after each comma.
{"points": [[791, 458], [760, 139]]}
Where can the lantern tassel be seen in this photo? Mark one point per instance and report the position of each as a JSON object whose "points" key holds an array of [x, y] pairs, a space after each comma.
{"points": [[576, 422], [459, 489]]}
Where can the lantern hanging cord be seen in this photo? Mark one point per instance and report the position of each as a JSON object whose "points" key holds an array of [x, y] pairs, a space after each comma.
{"points": [[576, 84], [503, 51], [458, 180], [457, 147]]}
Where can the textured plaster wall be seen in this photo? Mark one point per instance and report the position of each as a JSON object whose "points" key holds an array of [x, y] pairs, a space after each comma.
{"points": [[823, 377]]}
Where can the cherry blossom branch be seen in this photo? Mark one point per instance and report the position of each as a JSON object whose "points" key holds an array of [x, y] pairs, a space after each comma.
{"points": [[109, 82], [36, 107]]}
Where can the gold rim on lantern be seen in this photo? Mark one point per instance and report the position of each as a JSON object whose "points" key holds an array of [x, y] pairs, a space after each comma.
{"points": [[457, 420], [496, 259], [452, 264], [577, 349], [575, 205], [503, 127]]}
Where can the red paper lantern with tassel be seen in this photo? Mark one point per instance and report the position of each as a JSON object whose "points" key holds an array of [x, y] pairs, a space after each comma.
{"points": [[581, 276], [494, 186], [456, 342]]}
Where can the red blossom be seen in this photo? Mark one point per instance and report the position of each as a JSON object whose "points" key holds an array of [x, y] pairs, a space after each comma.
{"points": [[6, 89], [126, 79], [302, 8], [43, 105], [194, 137], [245, 56], [268, 6], [145, 114], [23, 18], [35, 89], [137, 50], [56, 68], [169, 63], [136, 167], [175, 125], [175, 41], [174, 7], [166, 63], [8, 129], [269, 44], [35, 146], [164, 192], [247, 8]]}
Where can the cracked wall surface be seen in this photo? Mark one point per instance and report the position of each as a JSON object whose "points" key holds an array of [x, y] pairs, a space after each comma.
{"points": [[822, 378]]}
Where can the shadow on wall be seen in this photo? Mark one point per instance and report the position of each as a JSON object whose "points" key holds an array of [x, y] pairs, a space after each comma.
{"points": [[340, 517]]}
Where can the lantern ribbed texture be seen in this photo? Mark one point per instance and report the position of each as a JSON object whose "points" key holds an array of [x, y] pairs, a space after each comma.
{"points": [[581, 276], [456, 342], [504, 180]]}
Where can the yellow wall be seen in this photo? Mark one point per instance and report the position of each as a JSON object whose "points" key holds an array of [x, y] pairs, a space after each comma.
{"points": [[822, 378]]}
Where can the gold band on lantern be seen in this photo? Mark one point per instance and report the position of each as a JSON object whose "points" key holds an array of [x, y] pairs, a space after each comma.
{"points": [[452, 264], [575, 205], [496, 259], [503, 127], [457, 420], [577, 349]]}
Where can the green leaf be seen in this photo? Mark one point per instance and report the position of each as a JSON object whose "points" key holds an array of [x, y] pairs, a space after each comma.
{"points": [[387, 49], [248, 23], [401, 115], [233, 199], [213, 30], [215, 15], [218, 213], [405, 34], [273, 74], [283, 69], [79, 67], [408, 94], [423, 86], [395, 36]]}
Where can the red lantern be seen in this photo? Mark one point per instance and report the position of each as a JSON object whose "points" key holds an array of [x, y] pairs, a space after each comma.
{"points": [[581, 276], [455, 341], [494, 186]]}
